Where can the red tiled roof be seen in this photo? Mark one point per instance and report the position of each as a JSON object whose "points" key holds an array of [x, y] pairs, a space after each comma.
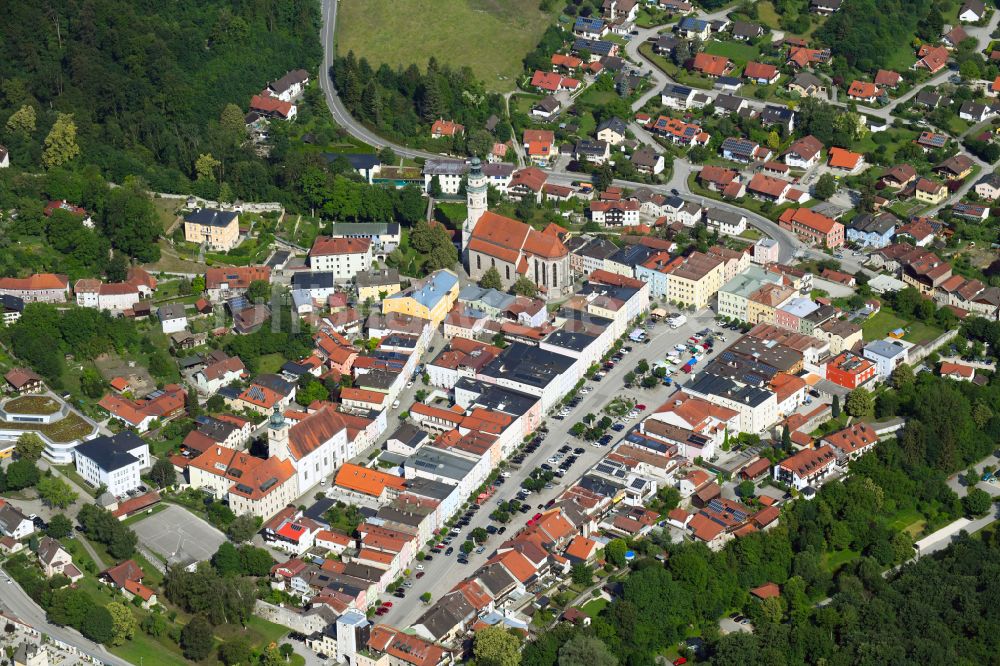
{"points": [[712, 65], [36, 282], [271, 105], [325, 246], [758, 70], [841, 158]]}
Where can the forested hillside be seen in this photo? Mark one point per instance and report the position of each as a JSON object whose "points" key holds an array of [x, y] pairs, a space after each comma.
{"points": [[146, 81]]}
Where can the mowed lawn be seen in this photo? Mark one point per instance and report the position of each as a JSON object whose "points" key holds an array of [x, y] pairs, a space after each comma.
{"points": [[490, 36]]}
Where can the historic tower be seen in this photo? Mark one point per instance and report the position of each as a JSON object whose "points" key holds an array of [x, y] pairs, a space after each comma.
{"points": [[476, 199], [277, 435]]}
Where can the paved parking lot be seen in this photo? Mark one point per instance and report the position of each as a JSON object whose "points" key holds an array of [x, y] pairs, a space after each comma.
{"points": [[179, 536]]}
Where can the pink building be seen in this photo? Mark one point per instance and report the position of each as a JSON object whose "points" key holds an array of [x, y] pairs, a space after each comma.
{"points": [[765, 251]]}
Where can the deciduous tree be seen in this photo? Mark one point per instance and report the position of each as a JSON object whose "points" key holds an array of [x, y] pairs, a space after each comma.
{"points": [[495, 646], [60, 144]]}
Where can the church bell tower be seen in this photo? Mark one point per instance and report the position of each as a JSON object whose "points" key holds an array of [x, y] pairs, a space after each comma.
{"points": [[475, 199]]}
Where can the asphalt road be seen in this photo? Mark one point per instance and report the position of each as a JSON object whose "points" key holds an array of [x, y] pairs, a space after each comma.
{"points": [[444, 572], [16, 602]]}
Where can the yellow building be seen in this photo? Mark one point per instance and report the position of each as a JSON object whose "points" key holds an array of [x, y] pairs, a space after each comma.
{"points": [[696, 281], [431, 298], [219, 230], [763, 303], [373, 284], [930, 192]]}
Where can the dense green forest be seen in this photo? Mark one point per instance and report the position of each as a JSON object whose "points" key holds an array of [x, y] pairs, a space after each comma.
{"points": [[403, 103], [866, 33], [678, 590], [146, 82]]}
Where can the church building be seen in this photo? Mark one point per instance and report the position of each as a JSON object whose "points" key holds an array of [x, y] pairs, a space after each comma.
{"points": [[514, 248]]}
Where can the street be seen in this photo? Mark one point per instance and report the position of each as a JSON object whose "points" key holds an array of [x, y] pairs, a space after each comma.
{"points": [[444, 572]]}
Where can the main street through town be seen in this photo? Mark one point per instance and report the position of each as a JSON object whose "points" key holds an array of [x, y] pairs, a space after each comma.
{"points": [[444, 572]]}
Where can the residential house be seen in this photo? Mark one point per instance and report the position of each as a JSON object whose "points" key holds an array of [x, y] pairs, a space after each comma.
{"points": [[711, 65], [929, 191], [343, 257], [173, 317], [957, 371], [696, 280], [988, 187], [739, 149], [747, 32], [864, 91], [218, 230], [766, 188], [647, 161], [852, 442], [956, 167], [441, 128], [24, 380], [13, 523], [431, 298], [807, 84], [597, 152], [449, 174], [972, 11], [887, 355], [849, 370], [612, 131], [886, 78], [693, 28], [872, 229], [804, 153], [540, 146], [808, 467], [845, 160], [38, 288], [676, 96], [760, 73], [615, 213], [812, 226], [899, 176]]}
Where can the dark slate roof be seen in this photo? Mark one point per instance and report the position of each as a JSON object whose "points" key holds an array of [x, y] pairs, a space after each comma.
{"points": [[211, 217], [111, 453]]}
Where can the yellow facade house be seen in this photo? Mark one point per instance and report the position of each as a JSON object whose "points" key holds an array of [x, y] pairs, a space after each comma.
{"points": [[431, 298], [219, 230], [696, 281]]}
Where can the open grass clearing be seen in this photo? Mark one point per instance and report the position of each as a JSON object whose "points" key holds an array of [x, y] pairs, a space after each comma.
{"points": [[489, 36]]}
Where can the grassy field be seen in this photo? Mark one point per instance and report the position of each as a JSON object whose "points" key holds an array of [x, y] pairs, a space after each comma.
{"points": [[910, 521], [739, 52], [490, 36], [879, 326], [593, 608], [833, 561], [270, 363]]}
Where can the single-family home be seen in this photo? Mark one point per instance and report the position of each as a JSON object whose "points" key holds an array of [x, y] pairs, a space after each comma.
{"points": [[864, 91], [760, 73], [804, 153]]}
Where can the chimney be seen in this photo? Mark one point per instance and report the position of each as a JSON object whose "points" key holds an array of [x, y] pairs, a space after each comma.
{"points": [[218, 450]]}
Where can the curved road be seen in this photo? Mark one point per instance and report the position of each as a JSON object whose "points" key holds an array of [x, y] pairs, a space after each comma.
{"points": [[789, 244], [337, 108]]}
